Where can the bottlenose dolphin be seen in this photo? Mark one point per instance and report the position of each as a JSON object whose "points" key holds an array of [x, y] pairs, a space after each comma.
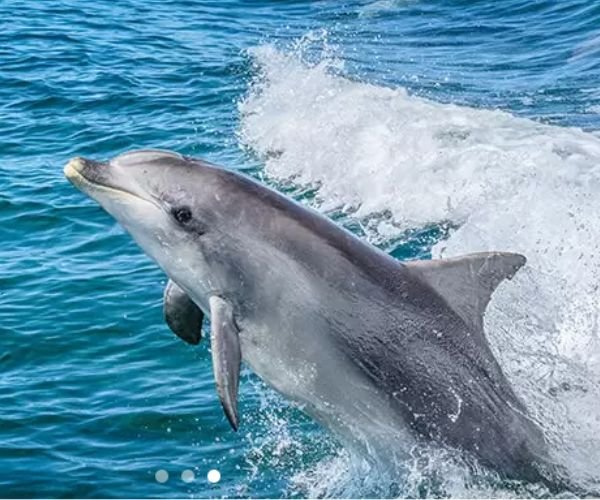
{"points": [[381, 352]]}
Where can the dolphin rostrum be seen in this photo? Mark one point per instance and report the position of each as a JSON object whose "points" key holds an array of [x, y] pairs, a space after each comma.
{"points": [[381, 352]]}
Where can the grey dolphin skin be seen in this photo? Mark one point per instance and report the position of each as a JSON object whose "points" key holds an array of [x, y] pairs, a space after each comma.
{"points": [[383, 353]]}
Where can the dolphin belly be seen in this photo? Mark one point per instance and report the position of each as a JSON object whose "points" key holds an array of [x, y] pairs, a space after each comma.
{"points": [[333, 390]]}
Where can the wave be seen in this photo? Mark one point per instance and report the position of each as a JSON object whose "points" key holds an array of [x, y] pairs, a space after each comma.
{"points": [[499, 182]]}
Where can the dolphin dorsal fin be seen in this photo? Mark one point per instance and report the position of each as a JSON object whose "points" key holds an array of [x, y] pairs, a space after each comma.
{"points": [[467, 282]]}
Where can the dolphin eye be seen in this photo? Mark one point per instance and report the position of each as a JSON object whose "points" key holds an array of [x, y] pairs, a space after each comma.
{"points": [[183, 215]]}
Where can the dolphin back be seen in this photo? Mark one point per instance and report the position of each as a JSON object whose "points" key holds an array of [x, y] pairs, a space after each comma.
{"points": [[439, 369]]}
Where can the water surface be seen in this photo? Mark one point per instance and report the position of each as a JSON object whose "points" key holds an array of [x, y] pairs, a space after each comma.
{"points": [[428, 128]]}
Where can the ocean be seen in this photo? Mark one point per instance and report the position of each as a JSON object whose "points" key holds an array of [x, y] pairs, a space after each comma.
{"points": [[429, 128]]}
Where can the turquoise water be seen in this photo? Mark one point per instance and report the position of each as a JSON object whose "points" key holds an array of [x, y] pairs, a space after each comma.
{"points": [[429, 128]]}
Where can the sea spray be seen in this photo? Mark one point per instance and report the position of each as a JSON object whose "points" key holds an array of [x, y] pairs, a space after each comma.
{"points": [[502, 182]]}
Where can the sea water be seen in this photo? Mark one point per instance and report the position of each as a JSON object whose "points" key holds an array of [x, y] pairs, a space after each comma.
{"points": [[430, 129]]}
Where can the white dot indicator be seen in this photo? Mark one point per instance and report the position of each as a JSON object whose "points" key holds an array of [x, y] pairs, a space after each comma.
{"points": [[213, 476], [162, 476], [187, 476]]}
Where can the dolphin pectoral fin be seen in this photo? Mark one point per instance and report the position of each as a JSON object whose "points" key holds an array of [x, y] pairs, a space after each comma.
{"points": [[467, 282], [226, 356], [181, 314]]}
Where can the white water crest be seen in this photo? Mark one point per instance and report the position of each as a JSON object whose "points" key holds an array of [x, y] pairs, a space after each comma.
{"points": [[504, 182]]}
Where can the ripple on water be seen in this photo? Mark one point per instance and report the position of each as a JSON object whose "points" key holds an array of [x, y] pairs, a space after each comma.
{"points": [[97, 395]]}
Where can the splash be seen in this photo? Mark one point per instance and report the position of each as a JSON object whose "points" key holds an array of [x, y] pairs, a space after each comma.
{"points": [[498, 181]]}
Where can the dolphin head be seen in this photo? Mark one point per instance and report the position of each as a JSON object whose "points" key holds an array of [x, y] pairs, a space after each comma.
{"points": [[167, 202]]}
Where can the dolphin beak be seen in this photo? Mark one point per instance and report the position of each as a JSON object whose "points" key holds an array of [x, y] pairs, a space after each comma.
{"points": [[98, 178], [81, 167], [75, 164], [93, 175], [73, 168]]}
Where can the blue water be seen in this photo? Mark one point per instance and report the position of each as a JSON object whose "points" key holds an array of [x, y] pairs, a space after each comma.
{"points": [[96, 395]]}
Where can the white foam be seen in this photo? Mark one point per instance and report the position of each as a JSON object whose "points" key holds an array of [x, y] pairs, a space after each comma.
{"points": [[508, 183]]}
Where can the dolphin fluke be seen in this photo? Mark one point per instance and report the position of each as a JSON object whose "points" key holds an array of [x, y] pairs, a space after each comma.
{"points": [[466, 283]]}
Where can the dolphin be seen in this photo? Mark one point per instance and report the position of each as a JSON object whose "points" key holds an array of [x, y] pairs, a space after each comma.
{"points": [[381, 352]]}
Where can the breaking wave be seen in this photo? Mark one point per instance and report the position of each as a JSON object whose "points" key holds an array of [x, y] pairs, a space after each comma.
{"points": [[394, 163]]}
